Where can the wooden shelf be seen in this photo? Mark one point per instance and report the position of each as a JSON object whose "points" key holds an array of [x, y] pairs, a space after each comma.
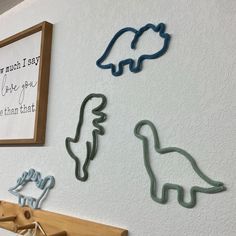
{"points": [[54, 223]]}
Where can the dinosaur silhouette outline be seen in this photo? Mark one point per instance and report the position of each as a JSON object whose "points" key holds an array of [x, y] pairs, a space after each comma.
{"points": [[138, 33], [44, 184], [217, 186], [91, 147]]}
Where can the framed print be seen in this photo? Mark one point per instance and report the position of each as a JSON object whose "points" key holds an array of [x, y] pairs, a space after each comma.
{"points": [[24, 80]]}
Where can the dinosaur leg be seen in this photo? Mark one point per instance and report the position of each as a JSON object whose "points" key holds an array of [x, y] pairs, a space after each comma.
{"points": [[192, 198], [82, 177], [135, 66], [180, 190], [181, 196], [162, 191], [87, 161], [117, 70], [165, 193]]}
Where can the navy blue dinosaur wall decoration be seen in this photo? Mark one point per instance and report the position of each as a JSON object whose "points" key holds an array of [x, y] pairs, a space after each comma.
{"points": [[215, 186], [91, 146], [134, 67]]}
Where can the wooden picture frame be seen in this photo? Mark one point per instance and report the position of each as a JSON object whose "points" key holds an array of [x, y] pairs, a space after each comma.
{"points": [[41, 37]]}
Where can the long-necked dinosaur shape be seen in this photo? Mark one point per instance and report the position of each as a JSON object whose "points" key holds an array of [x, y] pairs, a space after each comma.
{"points": [[91, 146], [216, 186]]}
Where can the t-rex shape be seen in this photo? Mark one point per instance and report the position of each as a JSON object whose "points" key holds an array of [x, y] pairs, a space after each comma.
{"points": [[216, 186], [129, 61], [91, 146]]}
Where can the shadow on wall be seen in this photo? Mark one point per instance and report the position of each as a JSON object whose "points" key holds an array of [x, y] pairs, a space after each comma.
{"points": [[6, 5]]}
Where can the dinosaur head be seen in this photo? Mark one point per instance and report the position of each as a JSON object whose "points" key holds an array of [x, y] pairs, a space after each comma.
{"points": [[138, 134], [140, 124], [138, 127]]}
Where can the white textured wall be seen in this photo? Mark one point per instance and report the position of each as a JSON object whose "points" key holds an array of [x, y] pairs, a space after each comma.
{"points": [[189, 94]]}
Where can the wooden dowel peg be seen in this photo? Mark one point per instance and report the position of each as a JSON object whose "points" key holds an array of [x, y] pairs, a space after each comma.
{"points": [[21, 227], [7, 218], [63, 233]]}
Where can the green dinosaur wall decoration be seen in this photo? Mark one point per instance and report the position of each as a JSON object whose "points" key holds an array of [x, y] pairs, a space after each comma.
{"points": [[91, 146], [216, 186]]}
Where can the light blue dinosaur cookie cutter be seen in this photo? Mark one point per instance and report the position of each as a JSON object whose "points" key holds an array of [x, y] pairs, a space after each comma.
{"points": [[215, 186], [44, 184], [134, 66]]}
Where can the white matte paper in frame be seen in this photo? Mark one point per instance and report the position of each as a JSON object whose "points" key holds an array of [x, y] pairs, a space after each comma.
{"points": [[19, 72]]}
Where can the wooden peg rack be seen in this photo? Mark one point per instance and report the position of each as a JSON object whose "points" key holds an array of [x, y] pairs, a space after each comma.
{"points": [[12, 216]]}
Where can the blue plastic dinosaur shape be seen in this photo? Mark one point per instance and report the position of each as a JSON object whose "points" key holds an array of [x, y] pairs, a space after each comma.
{"points": [[216, 186], [129, 61]]}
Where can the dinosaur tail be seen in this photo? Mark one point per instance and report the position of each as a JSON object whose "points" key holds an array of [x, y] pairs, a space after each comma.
{"points": [[215, 189]]}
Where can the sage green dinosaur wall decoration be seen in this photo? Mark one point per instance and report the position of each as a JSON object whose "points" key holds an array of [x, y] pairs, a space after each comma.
{"points": [[91, 146], [215, 185]]}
